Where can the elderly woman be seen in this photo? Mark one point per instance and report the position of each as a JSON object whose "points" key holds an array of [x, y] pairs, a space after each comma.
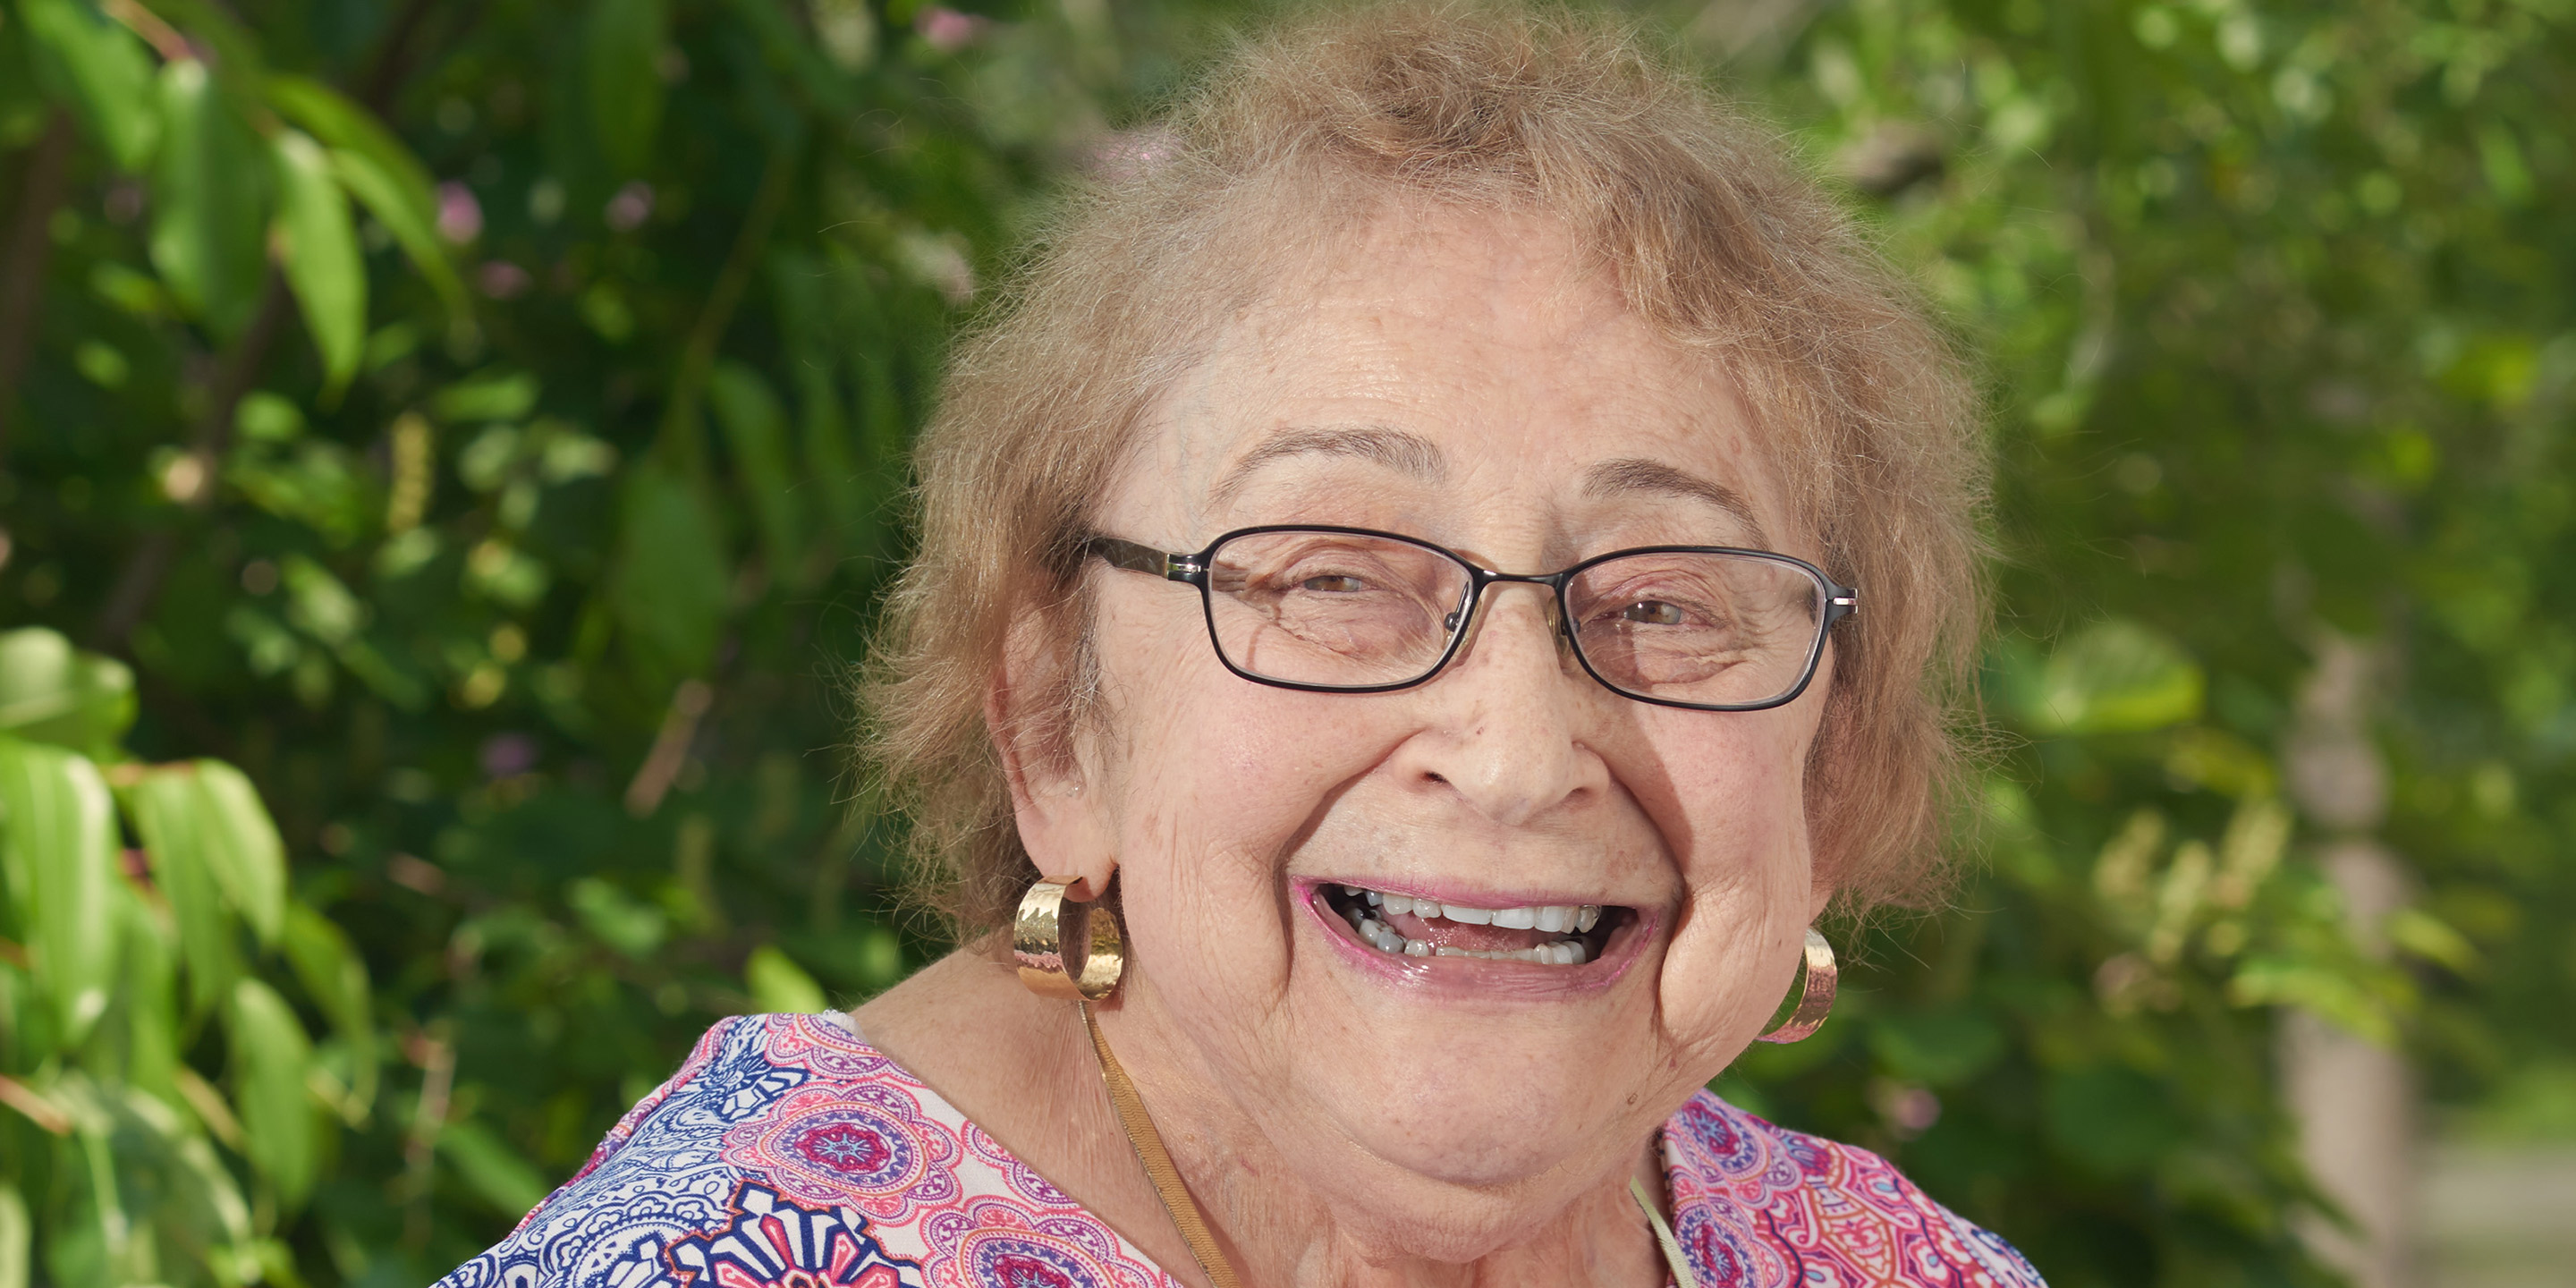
{"points": [[1453, 557]]}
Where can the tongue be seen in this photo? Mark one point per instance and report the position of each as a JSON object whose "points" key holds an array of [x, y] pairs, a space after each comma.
{"points": [[1444, 933]]}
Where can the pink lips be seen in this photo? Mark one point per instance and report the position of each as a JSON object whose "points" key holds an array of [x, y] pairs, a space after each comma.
{"points": [[1475, 979]]}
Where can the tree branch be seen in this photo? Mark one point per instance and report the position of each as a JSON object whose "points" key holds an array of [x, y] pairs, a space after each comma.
{"points": [[31, 247]]}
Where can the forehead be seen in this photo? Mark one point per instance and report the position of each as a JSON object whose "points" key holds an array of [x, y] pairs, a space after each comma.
{"points": [[1433, 363]]}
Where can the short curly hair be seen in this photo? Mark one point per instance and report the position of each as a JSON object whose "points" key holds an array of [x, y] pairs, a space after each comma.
{"points": [[1713, 236]]}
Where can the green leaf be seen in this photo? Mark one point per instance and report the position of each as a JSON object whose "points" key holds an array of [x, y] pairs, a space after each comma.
{"points": [[168, 813], [182, 1201], [17, 1238], [146, 997], [103, 68], [281, 1123], [2331, 989], [348, 127], [376, 169], [2114, 677], [58, 842], [154, 1189], [755, 429], [668, 587], [214, 852], [317, 245], [318, 483], [222, 1218], [414, 227], [2429, 937], [494, 394], [51, 692], [491, 1169], [321, 605], [621, 63], [618, 919], [209, 202], [243, 849], [335, 977], [778, 985]]}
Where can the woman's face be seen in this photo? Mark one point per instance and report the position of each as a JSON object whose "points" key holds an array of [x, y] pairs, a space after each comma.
{"points": [[1463, 380]]}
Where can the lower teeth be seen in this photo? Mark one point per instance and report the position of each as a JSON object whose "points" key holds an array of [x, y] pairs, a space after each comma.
{"points": [[1383, 937]]}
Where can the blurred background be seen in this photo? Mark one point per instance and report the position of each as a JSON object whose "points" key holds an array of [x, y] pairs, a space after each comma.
{"points": [[450, 451]]}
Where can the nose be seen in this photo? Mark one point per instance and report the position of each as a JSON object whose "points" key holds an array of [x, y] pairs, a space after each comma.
{"points": [[1505, 718]]}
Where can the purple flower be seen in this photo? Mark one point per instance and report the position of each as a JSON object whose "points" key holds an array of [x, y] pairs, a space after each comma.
{"points": [[946, 29], [501, 279], [508, 755], [632, 205], [460, 216]]}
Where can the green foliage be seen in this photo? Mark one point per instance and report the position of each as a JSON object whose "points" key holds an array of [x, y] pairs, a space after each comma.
{"points": [[318, 250], [2257, 291], [488, 435], [102, 69], [212, 195], [482, 431], [113, 1132]]}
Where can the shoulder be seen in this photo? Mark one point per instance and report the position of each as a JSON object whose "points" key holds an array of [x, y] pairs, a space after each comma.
{"points": [[789, 1151], [677, 1181], [1759, 1204]]}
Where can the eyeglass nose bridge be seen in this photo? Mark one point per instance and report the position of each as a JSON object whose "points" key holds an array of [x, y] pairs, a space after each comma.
{"points": [[1462, 620]]}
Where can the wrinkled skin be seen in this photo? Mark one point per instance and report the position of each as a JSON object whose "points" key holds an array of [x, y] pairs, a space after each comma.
{"points": [[1459, 378]]}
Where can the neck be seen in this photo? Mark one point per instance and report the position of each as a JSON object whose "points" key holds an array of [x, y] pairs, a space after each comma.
{"points": [[1374, 1224], [1022, 1068]]}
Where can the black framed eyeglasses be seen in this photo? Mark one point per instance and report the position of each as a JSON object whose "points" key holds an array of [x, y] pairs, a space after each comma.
{"points": [[1351, 610]]}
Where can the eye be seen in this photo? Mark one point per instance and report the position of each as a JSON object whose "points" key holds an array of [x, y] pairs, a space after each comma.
{"points": [[1334, 583], [1651, 612]]}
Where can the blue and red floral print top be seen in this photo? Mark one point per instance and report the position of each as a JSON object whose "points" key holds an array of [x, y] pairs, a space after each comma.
{"points": [[788, 1153]]}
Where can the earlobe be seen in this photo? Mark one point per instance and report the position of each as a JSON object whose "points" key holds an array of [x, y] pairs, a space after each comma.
{"points": [[1818, 900]]}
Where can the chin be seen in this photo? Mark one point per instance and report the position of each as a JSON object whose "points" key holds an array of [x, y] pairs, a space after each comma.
{"points": [[1487, 1108]]}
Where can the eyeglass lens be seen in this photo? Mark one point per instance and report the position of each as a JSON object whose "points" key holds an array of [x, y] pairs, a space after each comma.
{"points": [[1345, 610]]}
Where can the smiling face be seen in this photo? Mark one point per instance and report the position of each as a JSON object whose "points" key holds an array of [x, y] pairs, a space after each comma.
{"points": [[1465, 380]]}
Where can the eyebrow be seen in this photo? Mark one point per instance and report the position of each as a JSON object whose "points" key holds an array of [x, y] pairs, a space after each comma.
{"points": [[1635, 474], [1410, 453]]}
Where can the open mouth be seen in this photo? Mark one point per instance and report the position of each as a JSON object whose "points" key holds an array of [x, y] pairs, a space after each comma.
{"points": [[1401, 925]]}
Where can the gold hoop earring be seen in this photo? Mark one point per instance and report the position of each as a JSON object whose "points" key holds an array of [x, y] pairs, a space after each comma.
{"points": [[1039, 935], [1815, 994]]}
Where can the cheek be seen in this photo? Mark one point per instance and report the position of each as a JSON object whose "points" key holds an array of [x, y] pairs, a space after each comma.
{"points": [[1737, 820], [1212, 761], [1212, 782]]}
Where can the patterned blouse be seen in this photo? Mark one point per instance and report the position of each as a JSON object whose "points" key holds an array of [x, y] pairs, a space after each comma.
{"points": [[788, 1153]]}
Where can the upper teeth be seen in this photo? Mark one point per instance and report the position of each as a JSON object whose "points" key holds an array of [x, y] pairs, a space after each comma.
{"points": [[1550, 918]]}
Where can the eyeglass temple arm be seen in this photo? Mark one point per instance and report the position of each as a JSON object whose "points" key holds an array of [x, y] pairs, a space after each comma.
{"points": [[1840, 602], [1136, 557]]}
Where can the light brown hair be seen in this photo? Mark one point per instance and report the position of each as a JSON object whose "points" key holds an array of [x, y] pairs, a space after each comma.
{"points": [[1713, 236]]}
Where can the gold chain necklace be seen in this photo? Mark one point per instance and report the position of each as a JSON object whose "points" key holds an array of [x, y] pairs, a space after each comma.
{"points": [[1183, 1208]]}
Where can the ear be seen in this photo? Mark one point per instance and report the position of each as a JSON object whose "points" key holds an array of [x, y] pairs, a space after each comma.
{"points": [[1818, 900], [1055, 798]]}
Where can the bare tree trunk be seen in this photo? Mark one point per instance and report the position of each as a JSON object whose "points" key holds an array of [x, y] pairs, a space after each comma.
{"points": [[2354, 1100]]}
